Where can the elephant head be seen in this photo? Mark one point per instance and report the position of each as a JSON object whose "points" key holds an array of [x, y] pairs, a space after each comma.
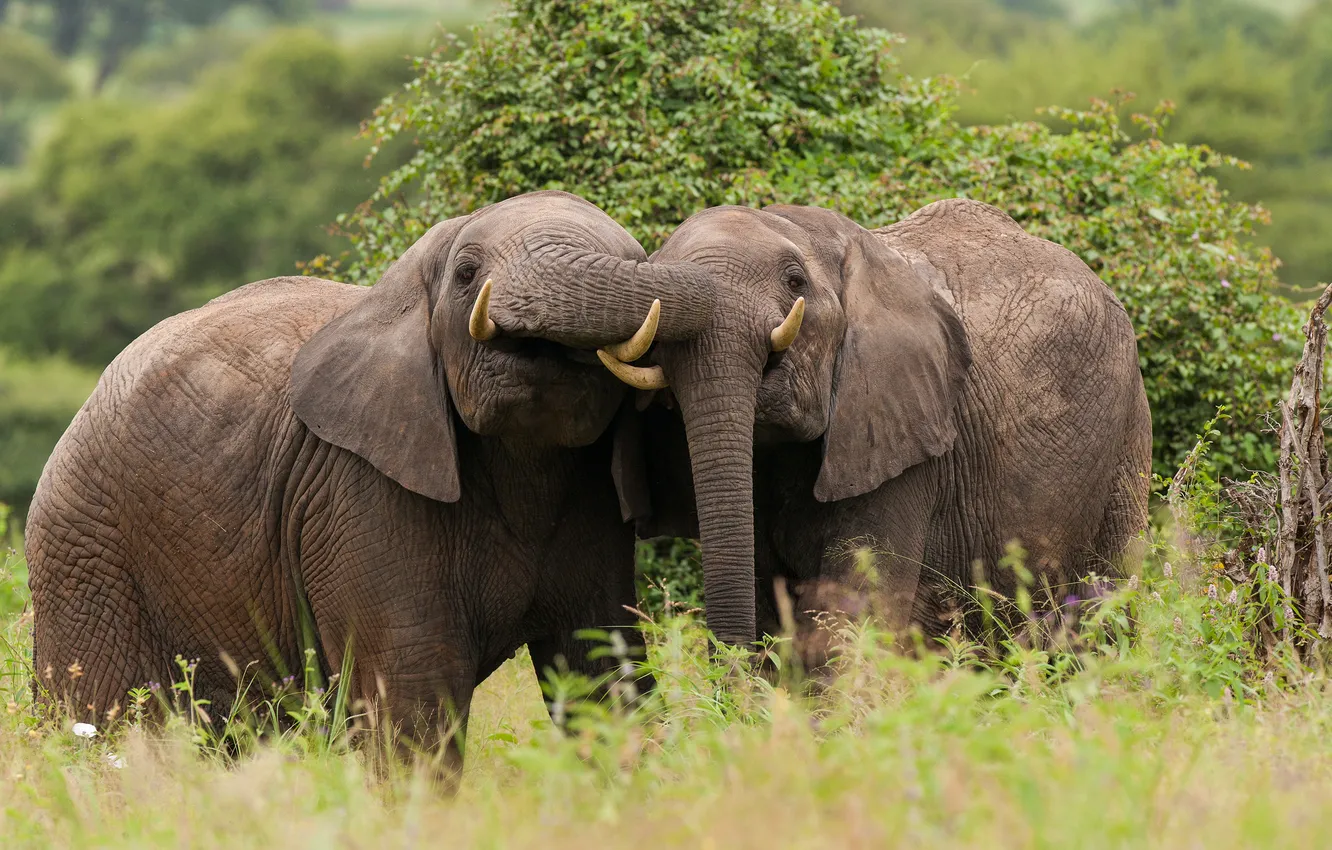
{"points": [[819, 332], [493, 315]]}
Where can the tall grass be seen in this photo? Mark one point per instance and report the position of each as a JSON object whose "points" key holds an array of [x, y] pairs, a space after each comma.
{"points": [[1149, 715]]}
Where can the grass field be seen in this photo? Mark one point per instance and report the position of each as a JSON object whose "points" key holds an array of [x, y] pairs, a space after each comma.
{"points": [[1153, 725]]}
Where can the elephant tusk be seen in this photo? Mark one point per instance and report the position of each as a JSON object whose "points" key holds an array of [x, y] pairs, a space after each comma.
{"points": [[638, 377], [785, 333], [480, 325], [638, 344]]}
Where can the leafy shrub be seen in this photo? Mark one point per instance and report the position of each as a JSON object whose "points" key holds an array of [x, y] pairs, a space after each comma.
{"points": [[654, 109]]}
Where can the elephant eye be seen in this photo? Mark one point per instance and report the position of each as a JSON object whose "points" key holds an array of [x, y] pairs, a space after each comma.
{"points": [[796, 280], [465, 273]]}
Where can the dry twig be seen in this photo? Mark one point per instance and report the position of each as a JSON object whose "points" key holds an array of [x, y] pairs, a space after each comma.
{"points": [[1301, 558]]}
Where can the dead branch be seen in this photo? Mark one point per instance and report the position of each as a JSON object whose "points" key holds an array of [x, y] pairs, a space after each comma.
{"points": [[1302, 470]]}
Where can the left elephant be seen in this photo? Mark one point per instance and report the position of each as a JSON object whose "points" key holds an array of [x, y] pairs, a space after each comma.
{"points": [[420, 470]]}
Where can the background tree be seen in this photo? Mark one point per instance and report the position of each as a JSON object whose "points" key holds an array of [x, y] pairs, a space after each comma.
{"points": [[126, 24], [654, 109]]}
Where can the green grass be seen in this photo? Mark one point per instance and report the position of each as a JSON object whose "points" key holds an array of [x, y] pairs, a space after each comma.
{"points": [[1153, 725]]}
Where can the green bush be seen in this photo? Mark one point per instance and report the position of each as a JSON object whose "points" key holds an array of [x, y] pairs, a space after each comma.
{"points": [[654, 109]]}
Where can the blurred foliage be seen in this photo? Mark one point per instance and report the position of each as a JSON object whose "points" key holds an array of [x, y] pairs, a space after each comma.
{"points": [[14, 595], [113, 28], [31, 78], [37, 400], [177, 65], [28, 69], [657, 108], [1251, 79], [133, 214], [130, 213]]}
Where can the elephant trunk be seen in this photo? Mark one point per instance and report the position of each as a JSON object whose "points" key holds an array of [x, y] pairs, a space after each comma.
{"points": [[585, 299], [717, 394]]}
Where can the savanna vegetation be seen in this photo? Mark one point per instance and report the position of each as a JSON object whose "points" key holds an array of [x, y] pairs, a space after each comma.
{"points": [[1185, 707]]}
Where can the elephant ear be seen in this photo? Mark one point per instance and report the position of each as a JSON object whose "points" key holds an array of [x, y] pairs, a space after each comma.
{"points": [[899, 373], [371, 382]]}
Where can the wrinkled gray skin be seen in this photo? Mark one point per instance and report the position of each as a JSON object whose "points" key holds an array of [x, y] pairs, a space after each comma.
{"points": [[435, 501], [956, 384]]}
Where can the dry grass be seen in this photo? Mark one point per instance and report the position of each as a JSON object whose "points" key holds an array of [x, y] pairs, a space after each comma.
{"points": [[1153, 739]]}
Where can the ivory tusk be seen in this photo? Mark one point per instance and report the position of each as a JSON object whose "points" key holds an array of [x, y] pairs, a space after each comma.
{"points": [[785, 333], [638, 344], [638, 377], [480, 325]]}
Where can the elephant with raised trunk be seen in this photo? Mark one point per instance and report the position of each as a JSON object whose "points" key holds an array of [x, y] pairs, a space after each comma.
{"points": [[931, 390], [420, 470]]}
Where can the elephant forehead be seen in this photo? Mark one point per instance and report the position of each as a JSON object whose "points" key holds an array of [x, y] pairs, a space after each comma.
{"points": [[537, 236], [554, 213], [732, 236]]}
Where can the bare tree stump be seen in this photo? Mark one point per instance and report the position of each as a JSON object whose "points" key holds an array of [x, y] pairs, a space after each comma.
{"points": [[1301, 557]]}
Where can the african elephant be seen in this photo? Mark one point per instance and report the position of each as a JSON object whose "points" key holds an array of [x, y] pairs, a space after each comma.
{"points": [[420, 470], [932, 390]]}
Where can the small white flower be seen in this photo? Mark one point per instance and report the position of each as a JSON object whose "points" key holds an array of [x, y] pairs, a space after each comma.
{"points": [[1262, 554], [84, 730], [1272, 575], [1233, 598], [1167, 570], [1211, 591], [115, 761], [1133, 582]]}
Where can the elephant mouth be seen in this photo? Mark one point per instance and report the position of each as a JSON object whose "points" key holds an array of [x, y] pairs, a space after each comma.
{"points": [[534, 348]]}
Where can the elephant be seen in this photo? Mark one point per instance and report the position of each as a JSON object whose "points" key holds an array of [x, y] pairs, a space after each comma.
{"points": [[420, 472], [929, 391]]}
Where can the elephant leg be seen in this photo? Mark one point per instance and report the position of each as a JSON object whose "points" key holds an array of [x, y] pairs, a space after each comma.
{"points": [[412, 660], [91, 639], [616, 676], [1114, 552], [410, 700], [872, 566], [588, 583]]}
